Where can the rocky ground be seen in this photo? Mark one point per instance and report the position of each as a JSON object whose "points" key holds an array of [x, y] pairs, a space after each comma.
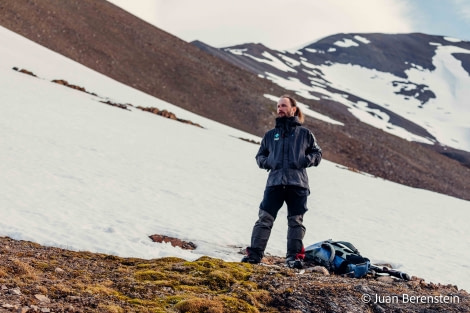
{"points": [[34, 278]]}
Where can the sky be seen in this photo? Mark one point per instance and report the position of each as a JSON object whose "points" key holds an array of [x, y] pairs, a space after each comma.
{"points": [[70, 180], [287, 25]]}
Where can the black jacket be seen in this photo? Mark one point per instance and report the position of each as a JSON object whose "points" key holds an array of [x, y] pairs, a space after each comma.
{"points": [[286, 151]]}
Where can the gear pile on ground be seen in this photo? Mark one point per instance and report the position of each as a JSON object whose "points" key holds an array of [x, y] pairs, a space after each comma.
{"points": [[34, 278]]}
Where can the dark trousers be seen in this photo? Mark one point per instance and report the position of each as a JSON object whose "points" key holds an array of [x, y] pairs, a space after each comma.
{"points": [[274, 197]]}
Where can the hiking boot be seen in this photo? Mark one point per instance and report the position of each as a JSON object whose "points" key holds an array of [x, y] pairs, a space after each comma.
{"points": [[252, 256], [293, 262], [249, 259]]}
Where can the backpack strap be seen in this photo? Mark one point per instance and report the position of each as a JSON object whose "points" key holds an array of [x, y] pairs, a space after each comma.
{"points": [[344, 249], [349, 245], [327, 245]]}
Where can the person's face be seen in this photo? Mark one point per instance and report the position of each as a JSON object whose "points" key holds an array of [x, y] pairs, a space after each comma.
{"points": [[284, 108]]}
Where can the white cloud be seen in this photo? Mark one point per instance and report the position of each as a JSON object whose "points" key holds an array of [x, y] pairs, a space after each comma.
{"points": [[278, 24], [284, 25], [144, 9]]}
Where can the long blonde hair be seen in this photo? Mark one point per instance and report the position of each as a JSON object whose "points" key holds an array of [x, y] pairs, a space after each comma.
{"points": [[293, 103]]}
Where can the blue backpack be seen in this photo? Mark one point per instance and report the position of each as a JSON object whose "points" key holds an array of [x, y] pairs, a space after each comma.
{"points": [[339, 257]]}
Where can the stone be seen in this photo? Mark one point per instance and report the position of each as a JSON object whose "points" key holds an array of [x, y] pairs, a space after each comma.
{"points": [[15, 291], [175, 242], [385, 279], [42, 298], [318, 269], [24, 309]]}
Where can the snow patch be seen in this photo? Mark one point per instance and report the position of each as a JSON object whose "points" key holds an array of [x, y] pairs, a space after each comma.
{"points": [[362, 39], [307, 111], [273, 61], [346, 43], [451, 39]]}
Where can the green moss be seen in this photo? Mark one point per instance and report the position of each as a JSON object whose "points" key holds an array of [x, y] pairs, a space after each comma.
{"points": [[102, 289], [219, 274], [174, 299], [219, 279], [257, 298], [250, 285], [137, 285], [110, 308], [168, 260], [191, 289], [150, 275], [196, 305], [135, 301], [43, 266], [232, 304], [203, 285]]}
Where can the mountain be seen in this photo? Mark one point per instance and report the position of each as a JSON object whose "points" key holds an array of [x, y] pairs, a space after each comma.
{"points": [[410, 85], [81, 174], [117, 44]]}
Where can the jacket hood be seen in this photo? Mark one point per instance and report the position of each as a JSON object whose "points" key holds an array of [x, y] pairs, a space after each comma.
{"points": [[287, 122]]}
